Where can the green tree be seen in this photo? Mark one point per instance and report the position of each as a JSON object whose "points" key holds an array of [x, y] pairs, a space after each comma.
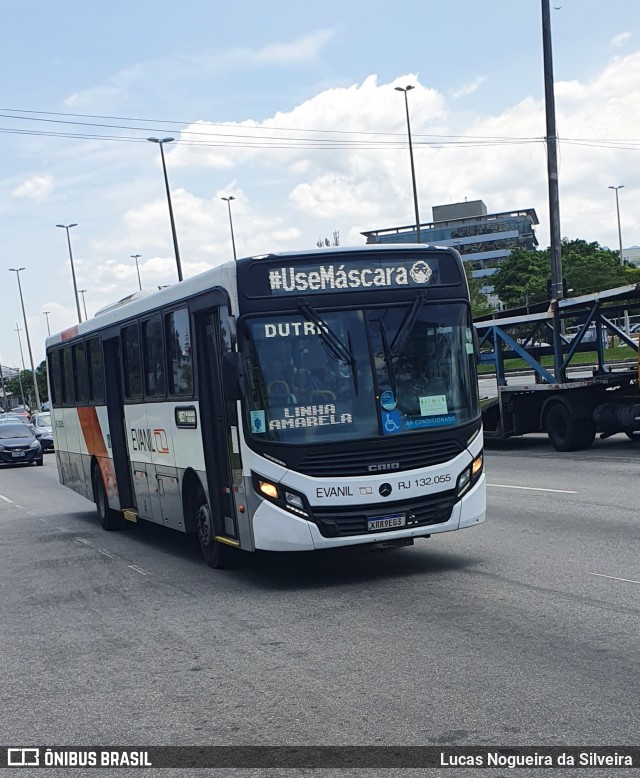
{"points": [[41, 378], [20, 382], [522, 277], [586, 267], [590, 268], [479, 304]]}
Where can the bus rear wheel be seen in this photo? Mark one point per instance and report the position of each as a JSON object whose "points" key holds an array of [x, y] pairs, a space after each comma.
{"points": [[109, 519], [218, 555]]}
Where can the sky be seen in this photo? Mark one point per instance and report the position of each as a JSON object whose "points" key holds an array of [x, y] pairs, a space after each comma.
{"points": [[290, 108]]}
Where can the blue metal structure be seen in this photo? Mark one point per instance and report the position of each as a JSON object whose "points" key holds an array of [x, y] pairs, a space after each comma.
{"points": [[571, 408]]}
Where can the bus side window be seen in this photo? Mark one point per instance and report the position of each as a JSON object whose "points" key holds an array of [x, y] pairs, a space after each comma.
{"points": [[95, 370], [131, 368], [67, 377], [178, 340], [54, 380], [80, 373], [153, 358]]}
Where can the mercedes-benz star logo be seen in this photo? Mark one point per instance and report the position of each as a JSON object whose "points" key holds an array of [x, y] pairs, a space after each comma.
{"points": [[385, 490]]}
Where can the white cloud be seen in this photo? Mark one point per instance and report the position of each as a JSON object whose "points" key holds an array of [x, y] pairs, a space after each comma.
{"points": [[294, 185], [178, 69], [100, 96], [621, 38], [304, 49], [35, 188], [470, 87]]}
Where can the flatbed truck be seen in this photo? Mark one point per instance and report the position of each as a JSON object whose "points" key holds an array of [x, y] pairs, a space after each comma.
{"points": [[571, 403]]}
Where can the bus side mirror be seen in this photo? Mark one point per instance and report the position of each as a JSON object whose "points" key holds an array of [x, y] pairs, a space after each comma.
{"points": [[476, 345], [232, 375]]}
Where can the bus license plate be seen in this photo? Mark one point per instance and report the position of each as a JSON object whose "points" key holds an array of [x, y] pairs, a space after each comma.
{"points": [[17, 454], [386, 522]]}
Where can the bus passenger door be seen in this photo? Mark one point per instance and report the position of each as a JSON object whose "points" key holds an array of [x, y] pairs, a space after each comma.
{"points": [[117, 439], [219, 428]]}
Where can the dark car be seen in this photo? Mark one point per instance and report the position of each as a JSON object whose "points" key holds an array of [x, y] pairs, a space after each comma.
{"points": [[19, 445], [44, 431]]}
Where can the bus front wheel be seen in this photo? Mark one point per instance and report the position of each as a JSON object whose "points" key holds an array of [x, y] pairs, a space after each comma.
{"points": [[109, 518], [216, 554]]}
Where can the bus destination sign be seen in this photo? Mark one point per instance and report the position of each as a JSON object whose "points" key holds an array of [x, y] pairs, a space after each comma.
{"points": [[352, 276]]}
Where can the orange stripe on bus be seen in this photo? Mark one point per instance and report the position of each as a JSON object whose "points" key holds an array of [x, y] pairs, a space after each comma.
{"points": [[70, 333], [96, 446]]}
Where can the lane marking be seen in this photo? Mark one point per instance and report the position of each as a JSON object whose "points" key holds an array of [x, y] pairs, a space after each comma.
{"points": [[138, 569], [6, 499], [614, 578], [532, 488], [83, 540], [104, 552]]}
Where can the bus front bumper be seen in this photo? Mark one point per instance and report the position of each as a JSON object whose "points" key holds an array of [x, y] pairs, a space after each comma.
{"points": [[275, 529]]}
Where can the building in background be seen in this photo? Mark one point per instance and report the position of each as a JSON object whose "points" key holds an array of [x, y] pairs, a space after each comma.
{"points": [[631, 255], [483, 239]]}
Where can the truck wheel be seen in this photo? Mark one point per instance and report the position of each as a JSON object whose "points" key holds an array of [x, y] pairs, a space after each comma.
{"points": [[633, 436], [567, 433], [218, 555], [109, 518]]}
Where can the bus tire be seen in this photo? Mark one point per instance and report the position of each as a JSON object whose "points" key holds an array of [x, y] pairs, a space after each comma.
{"points": [[567, 433], [110, 519], [218, 555], [633, 436]]}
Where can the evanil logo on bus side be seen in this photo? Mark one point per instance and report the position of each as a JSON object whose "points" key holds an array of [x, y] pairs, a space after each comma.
{"points": [[288, 279]]}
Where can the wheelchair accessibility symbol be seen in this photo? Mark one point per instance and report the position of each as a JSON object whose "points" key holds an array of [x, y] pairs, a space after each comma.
{"points": [[391, 422]]}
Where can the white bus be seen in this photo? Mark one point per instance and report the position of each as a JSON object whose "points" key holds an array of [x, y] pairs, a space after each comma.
{"points": [[287, 402]]}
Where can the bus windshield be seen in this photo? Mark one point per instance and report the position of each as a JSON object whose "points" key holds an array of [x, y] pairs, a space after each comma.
{"points": [[394, 370]]}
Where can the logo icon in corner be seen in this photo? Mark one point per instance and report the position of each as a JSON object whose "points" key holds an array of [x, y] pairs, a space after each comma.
{"points": [[23, 757], [385, 490], [421, 272]]}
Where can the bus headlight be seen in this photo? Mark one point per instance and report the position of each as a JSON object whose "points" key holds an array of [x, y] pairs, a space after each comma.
{"points": [[268, 489], [470, 475], [281, 496]]}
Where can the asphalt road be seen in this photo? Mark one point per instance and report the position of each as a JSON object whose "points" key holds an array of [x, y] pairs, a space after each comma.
{"points": [[523, 631]]}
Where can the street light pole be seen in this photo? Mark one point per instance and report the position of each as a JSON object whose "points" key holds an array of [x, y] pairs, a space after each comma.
{"points": [[26, 331], [413, 169], [627, 323], [3, 402], [67, 227], [137, 257], [161, 142], [46, 313], [557, 285], [233, 242], [84, 303], [24, 369], [616, 188]]}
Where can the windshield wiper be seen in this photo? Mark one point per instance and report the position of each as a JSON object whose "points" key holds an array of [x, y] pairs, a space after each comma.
{"points": [[388, 357], [407, 324], [333, 345]]}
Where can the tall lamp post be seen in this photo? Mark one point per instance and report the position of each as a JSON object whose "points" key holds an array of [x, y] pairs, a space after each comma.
{"points": [[67, 227], [4, 404], [26, 331], [161, 142], [46, 313], [413, 169], [627, 323], [137, 257], [233, 242], [84, 304], [616, 188]]}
